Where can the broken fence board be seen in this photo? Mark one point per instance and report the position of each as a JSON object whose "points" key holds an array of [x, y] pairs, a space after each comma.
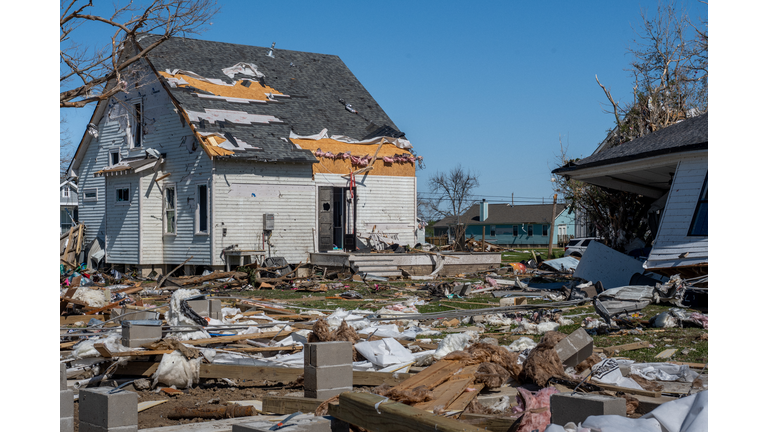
{"points": [[461, 402], [445, 394], [488, 422], [377, 414], [433, 376]]}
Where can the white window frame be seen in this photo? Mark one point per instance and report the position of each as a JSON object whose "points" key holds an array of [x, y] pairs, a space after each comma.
{"points": [[167, 186], [88, 190], [123, 186], [114, 150], [65, 192], [135, 124], [197, 208]]}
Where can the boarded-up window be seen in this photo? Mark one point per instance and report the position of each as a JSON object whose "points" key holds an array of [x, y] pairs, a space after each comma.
{"points": [[699, 224]]}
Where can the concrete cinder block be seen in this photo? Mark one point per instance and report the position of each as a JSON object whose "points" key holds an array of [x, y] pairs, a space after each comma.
{"points": [[199, 306], [100, 409], [513, 301], [566, 407], [575, 348], [138, 335], [327, 377], [327, 354], [325, 394], [67, 424], [66, 403], [62, 376]]}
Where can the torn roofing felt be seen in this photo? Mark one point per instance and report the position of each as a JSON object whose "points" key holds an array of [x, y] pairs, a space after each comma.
{"points": [[245, 104]]}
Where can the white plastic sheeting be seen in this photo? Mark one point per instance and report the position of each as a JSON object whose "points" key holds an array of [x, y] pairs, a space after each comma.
{"points": [[384, 352], [174, 317], [608, 372], [689, 414], [454, 342], [522, 344], [112, 342], [664, 372]]}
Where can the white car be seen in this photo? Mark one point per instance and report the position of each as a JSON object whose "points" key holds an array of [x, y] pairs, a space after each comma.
{"points": [[577, 246]]}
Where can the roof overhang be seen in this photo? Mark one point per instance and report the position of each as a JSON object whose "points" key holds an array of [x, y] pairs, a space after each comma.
{"points": [[131, 167], [650, 176]]}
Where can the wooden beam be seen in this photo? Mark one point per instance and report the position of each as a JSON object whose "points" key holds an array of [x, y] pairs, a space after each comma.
{"points": [[289, 405], [489, 422], [629, 390], [377, 414]]}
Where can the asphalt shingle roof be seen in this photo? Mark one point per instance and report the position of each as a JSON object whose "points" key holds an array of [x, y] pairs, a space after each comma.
{"points": [[315, 83], [505, 214], [687, 135]]}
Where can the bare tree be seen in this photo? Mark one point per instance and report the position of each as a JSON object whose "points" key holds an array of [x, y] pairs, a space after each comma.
{"points": [[66, 152], [670, 70], [453, 194], [90, 73]]}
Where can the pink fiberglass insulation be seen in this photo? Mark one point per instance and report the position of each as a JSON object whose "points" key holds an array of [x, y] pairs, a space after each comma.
{"points": [[527, 401]]}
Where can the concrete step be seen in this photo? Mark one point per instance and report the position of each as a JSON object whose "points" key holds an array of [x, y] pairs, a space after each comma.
{"points": [[369, 269], [370, 260], [391, 273]]}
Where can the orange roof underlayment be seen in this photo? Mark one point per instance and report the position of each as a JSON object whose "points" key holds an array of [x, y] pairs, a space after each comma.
{"points": [[255, 91], [211, 147], [344, 166]]}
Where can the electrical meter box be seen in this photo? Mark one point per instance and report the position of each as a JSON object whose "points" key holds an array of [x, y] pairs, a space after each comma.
{"points": [[269, 221]]}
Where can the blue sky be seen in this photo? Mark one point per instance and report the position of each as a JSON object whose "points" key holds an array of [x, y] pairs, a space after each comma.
{"points": [[492, 86]]}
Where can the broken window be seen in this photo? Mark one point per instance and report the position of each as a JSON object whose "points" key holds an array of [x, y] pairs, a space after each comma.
{"points": [[122, 195], [169, 209], [114, 157], [515, 232], [137, 123], [202, 209], [699, 224], [493, 230], [90, 195], [545, 230], [530, 230]]}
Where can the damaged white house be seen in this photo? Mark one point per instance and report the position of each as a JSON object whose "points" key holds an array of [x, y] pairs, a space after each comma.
{"points": [[229, 153], [669, 165]]}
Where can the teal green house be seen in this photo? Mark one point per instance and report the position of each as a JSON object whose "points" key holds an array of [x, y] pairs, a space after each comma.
{"points": [[517, 225]]}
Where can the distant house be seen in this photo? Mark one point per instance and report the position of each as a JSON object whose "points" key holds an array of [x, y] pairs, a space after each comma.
{"points": [[671, 166], [221, 154], [67, 206], [513, 225]]}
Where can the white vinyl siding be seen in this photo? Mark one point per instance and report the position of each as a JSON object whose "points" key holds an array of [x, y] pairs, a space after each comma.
{"points": [[672, 239]]}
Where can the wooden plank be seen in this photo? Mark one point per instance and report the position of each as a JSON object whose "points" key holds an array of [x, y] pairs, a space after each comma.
{"points": [[271, 373], [489, 422], [433, 376], [265, 349], [235, 338], [667, 353], [94, 311], [612, 350], [376, 414], [101, 349], [461, 402], [445, 394], [149, 404], [289, 405], [693, 365], [629, 390]]}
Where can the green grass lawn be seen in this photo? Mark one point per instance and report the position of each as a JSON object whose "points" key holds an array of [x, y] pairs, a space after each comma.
{"points": [[525, 254]]}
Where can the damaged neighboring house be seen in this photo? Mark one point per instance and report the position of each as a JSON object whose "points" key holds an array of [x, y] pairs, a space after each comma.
{"points": [[67, 206], [230, 153], [671, 166]]}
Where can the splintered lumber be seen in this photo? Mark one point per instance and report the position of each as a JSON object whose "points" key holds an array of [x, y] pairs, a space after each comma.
{"points": [[629, 390], [270, 373], [377, 414], [214, 276], [265, 349], [461, 402], [235, 338], [289, 405], [450, 390], [431, 377]]}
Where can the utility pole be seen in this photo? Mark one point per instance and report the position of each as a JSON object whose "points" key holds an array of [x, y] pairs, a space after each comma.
{"points": [[552, 226]]}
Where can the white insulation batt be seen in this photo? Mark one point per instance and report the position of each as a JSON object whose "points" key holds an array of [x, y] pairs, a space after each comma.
{"points": [[94, 297], [454, 342], [176, 318], [176, 370], [112, 342]]}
